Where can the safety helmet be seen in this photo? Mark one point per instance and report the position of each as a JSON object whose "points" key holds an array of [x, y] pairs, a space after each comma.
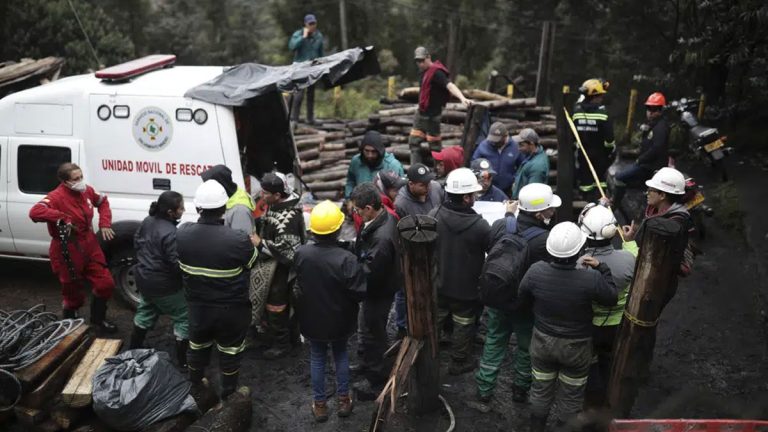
{"points": [[325, 218], [462, 181], [210, 195], [593, 87], [668, 180], [597, 222], [565, 240], [656, 99], [536, 197]]}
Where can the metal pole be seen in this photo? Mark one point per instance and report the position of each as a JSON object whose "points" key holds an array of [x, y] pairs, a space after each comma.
{"points": [[343, 20]]}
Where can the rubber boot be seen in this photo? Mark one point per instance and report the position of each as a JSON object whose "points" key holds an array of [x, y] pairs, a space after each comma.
{"points": [[181, 352], [538, 424], [137, 337], [69, 313], [196, 376], [278, 326], [228, 384], [99, 316]]}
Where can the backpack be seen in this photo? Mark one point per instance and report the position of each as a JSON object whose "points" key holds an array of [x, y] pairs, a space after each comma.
{"points": [[505, 266]]}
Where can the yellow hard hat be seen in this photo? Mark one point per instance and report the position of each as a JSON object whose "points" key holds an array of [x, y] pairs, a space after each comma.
{"points": [[593, 87], [326, 218]]}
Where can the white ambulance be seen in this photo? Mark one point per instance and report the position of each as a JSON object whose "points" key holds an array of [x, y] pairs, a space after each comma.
{"points": [[134, 134]]}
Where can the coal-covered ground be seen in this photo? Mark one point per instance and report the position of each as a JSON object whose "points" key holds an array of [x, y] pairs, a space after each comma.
{"points": [[710, 361]]}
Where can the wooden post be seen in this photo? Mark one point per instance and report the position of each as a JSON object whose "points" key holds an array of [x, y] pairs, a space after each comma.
{"points": [[542, 76], [630, 114], [702, 105], [473, 127], [510, 90], [337, 101], [391, 88], [565, 157], [343, 22], [654, 284]]}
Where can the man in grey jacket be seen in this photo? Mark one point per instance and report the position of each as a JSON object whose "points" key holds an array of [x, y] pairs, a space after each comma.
{"points": [[561, 347], [240, 206]]}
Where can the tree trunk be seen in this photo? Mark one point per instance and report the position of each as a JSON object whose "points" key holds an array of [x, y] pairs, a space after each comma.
{"points": [[565, 159]]}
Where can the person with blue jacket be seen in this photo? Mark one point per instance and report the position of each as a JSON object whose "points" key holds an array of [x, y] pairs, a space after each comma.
{"points": [[534, 168], [501, 151], [485, 173], [306, 44], [373, 158]]}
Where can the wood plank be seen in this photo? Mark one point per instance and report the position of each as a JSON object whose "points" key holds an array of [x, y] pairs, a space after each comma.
{"points": [[56, 380], [66, 417], [29, 416], [77, 392], [34, 374]]}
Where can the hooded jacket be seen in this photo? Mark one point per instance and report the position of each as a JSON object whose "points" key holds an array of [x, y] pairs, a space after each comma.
{"points": [[533, 169], [360, 172], [376, 249], [462, 241], [157, 269], [331, 283], [406, 204], [239, 214]]}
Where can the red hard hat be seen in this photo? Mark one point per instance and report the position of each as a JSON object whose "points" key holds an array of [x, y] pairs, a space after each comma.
{"points": [[656, 99]]}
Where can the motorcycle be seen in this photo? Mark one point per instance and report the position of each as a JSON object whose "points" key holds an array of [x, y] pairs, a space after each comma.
{"points": [[706, 142]]}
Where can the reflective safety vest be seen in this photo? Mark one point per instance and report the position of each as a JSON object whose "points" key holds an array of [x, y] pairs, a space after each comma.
{"points": [[241, 197]]}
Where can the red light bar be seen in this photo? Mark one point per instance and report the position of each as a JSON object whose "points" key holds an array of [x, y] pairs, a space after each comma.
{"points": [[136, 67]]}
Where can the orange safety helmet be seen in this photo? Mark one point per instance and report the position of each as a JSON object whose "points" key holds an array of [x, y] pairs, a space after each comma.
{"points": [[656, 99]]}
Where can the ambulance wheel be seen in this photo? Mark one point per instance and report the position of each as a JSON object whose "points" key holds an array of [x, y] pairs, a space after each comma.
{"points": [[125, 281]]}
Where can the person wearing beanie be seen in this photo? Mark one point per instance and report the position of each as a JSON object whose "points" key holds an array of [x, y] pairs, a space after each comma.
{"points": [[282, 231], [240, 206], [372, 158]]}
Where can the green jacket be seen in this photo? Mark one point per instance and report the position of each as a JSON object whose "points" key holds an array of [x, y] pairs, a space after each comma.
{"points": [[535, 169], [359, 172], [306, 49]]}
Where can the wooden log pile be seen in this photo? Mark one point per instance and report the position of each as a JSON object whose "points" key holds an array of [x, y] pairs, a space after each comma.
{"points": [[326, 148]]}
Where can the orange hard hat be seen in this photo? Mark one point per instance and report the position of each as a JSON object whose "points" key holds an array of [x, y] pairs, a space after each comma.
{"points": [[656, 99]]}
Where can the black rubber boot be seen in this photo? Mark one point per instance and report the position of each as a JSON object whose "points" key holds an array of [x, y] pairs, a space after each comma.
{"points": [[538, 424], [137, 337], [228, 384], [196, 376], [181, 352], [99, 316], [278, 328], [69, 313]]}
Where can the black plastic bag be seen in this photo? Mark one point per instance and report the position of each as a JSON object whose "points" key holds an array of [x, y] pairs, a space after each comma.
{"points": [[138, 388]]}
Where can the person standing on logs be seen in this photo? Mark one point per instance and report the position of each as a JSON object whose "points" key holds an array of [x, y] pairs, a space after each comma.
{"points": [[434, 90], [537, 206], [561, 347], [214, 261], [373, 158], [282, 231], [418, 197], [596, 130], [599, 224], [377, 249], [306, 44], [76, 256], [158, 276], [463, 239], [330, 282]]}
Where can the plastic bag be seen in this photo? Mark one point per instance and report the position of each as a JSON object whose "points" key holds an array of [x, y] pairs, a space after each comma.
{"points": [[138, 388]]}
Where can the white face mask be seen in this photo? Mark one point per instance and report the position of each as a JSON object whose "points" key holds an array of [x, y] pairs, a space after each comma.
{"points": [[78, 186], [547, 221]]}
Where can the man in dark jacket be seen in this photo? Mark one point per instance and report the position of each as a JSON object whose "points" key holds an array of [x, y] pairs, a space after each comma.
{"points": [[561, 347], [502, 153], [282, 231], [306, 44], [596, 131], [485, 174], [372, 159], [158, 276], [376, 249], [215, 260], [330, 282], [463, 239], [537, 205]]}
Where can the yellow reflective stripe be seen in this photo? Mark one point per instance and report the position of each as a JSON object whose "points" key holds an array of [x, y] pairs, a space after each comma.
{"points": [[253, 257], [572, 381], [200, 346], [587, 188], [488, 367], [230, 373], [463, 321], [231, 350], [208, 272], [631, 247], [611, 144], [589, 116], [543, 376]]}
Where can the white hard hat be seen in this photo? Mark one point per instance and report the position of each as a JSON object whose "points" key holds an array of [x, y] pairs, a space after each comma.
{"points": [[210, 195], [597, 222], [462, 181], [668, 180], [565, 240], [536, 197]]}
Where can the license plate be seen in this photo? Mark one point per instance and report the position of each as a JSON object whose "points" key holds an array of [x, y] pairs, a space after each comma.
{"points": [[713, 146], [698, 199]]}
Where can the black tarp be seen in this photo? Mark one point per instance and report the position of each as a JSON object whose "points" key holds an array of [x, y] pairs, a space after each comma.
{"points": [[240, 83]]}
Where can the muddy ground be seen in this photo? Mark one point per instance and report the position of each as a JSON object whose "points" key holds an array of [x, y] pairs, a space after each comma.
{"points": [[711, 359]]}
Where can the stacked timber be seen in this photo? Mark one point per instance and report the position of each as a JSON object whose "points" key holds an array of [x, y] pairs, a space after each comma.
{"points": [[326, 148]]}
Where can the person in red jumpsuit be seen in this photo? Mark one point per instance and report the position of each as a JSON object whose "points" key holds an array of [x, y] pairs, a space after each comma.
{"points": [[72, 203]]}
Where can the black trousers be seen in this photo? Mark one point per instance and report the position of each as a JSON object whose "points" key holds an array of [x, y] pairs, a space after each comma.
{"points": [[373, 337], [296, 104]]}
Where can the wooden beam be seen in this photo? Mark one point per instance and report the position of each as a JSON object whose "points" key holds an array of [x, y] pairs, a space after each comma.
{"points": [[473, 128], [32, 375], [56, 380], [565, 158], [77, 392]]}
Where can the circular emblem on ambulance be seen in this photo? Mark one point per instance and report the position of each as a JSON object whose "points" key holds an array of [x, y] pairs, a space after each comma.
{"points": [[152, 128]]}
